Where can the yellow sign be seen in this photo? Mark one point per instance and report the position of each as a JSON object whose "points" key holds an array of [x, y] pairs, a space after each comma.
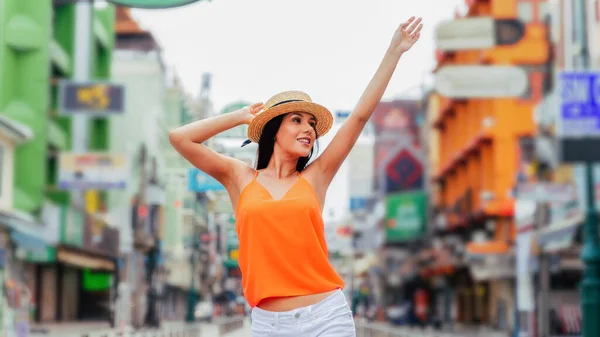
{"points": [[92, 201], [233, 254], [98, 98], [95, 97]]}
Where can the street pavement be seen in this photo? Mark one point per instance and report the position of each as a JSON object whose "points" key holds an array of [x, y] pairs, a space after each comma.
{"points": [[211, 330]]}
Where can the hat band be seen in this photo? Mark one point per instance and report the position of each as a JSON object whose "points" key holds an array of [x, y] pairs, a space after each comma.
{"points": [[248, 141], [288, 101]]}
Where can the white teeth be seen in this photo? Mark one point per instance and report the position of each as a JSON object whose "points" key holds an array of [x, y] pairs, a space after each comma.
{"points": [[304, 141]]}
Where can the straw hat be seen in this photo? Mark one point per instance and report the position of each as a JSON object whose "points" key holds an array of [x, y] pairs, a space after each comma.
{"points": [[290, 101]]}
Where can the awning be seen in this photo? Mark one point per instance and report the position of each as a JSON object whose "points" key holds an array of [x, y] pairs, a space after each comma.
{"points": [[560, 235], [15, 131], [83, 260], [28, 242], [25, 231]]}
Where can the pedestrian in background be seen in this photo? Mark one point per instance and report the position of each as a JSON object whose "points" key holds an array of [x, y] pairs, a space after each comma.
{"points": [[287, 278]]}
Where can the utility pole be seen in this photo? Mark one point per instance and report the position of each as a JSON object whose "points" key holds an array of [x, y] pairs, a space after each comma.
{"points": [[84, 10], [191, 305], [590, 286]]}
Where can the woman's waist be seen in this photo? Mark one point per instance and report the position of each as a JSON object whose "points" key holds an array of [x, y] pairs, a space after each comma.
{"points": [[289, 303]]}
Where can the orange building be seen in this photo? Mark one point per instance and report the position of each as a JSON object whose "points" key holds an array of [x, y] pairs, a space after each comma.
{"points": [[489, 77]]}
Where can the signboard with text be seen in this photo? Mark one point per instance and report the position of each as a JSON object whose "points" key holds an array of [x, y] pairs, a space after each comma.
{"points": [[92, 171], [579, 116], [96, 98], [406, 216]]}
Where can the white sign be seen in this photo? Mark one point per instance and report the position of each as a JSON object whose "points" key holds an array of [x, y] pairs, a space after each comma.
{"points": [[546, 192], [466, 34], [92, 171], [481, 81]]}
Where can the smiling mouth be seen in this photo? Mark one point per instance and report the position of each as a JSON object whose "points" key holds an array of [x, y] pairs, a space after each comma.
{"points": [[304, 141]]}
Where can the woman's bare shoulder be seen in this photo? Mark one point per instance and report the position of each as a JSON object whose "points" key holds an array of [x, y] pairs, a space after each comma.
{"points": [[312, 174], [244, 176]]}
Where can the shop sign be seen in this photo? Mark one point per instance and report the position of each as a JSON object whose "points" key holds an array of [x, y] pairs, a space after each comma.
{"points": [[92, 171], [406, 216], [91, 98]]}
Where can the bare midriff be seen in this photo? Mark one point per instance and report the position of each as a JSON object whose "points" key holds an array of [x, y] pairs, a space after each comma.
{"points": [[279, 304]]}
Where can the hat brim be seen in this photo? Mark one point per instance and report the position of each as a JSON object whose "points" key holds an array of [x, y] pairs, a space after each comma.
{"points": [[321, 113]]}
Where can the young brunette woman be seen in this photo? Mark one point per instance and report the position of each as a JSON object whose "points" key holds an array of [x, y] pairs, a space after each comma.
{"points": [[286, 275]]}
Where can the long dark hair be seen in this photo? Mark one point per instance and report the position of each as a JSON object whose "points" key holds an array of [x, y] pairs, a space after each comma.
{"points": [[266, 145]]}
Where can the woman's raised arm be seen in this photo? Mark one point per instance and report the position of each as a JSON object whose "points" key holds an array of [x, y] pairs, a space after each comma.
{"points": [[330, 161], [188, 139]]}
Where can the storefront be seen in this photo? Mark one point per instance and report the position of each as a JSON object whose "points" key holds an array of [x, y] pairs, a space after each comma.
{"points": [[21, 235], [17, 277]]}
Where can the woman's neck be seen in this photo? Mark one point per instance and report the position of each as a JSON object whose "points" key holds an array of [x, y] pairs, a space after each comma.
{"points": [[281, 166]]}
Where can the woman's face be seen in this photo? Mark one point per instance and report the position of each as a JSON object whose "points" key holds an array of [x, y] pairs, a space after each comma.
{"points": [[297, 134]]}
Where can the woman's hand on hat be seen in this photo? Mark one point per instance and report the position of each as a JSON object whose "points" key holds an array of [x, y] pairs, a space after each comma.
{"points": [[249, 112], [407, 35]]}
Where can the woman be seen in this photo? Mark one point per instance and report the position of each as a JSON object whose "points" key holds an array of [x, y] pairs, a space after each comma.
{"points": [[286, 275]]}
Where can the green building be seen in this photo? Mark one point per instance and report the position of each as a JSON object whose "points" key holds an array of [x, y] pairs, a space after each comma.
{"points": [[57, 259]]}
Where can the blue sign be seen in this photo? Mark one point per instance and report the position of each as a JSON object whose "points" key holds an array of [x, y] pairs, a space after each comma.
{"points": [[199, 181], [358, 203], [579, 104], [342, 114]]}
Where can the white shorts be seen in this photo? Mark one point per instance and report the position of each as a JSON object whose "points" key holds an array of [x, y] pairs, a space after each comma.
{"points": [[331, 317]]}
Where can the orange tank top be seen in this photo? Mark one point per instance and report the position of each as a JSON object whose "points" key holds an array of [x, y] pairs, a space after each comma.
{"points": [[282, 248]]}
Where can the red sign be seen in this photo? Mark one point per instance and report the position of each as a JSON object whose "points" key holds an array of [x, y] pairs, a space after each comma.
{"points": [[404, 172], [344, 231], [142, 211]]}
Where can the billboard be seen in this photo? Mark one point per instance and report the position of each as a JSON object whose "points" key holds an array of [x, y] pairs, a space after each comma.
{"points": [[406, 216], [91, 170], [396, 122]]}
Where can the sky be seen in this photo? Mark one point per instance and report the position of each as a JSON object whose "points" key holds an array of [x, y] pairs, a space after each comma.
{"points": [[329, 49]]}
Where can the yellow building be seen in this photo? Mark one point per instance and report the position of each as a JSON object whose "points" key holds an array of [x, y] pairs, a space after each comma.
{"points": [[489, 77]]}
